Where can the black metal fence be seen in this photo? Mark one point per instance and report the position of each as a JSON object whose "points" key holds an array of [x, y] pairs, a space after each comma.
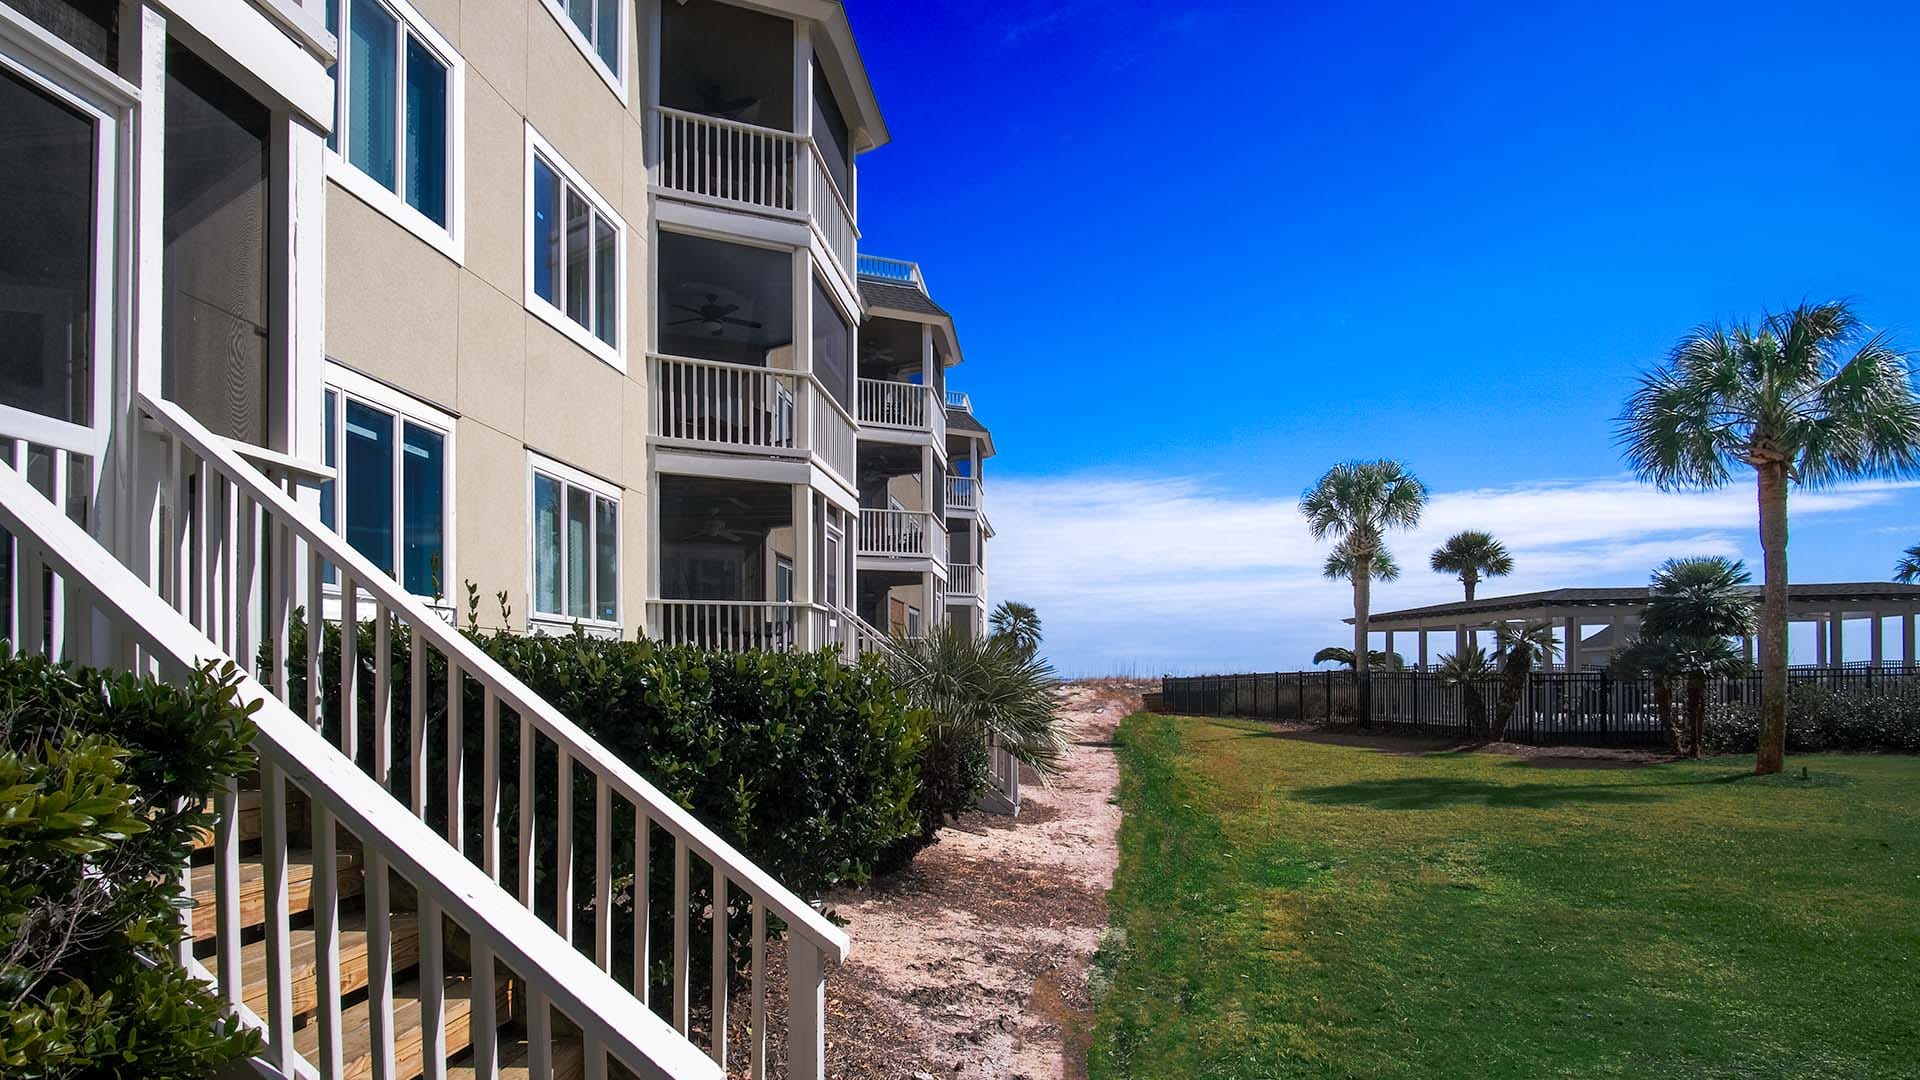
{"points": [[1585, 708]]}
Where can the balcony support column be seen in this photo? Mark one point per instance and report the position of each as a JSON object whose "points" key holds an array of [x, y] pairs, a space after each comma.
{"points": [[806, 566], [802, 124]]}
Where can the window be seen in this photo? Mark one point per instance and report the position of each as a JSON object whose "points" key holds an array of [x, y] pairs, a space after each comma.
{"points": [[913, 621], [782, 580], [576, 545], [595, 27], [56, 262], [391, 496], [576, 255], [835, 544], [398, 88]]}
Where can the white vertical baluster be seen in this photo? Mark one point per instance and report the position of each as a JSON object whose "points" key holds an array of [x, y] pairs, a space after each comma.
{"points": [[349, 666], [485, 1021], [563, 844], [316, 633], [680, 967], [226, 889], [642, 897], [377, 902], [433, 990], [539, 1036], [757, 1015], [456, 756], [602, 874], [325, 909], [490, 786], [417, 726], [717, 1046], [525, 853], [273, 857], [595, 1061], [806, 1010]]}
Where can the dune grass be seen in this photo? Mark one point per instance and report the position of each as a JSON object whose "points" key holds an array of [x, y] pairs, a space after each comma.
{"points": [[1294, 908]]}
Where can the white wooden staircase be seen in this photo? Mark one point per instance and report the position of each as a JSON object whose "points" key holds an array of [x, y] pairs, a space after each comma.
{"points": [[360, 940]]}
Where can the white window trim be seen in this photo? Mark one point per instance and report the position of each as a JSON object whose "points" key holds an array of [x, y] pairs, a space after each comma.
{"points": [[537, 620], [616, 354], [408, 409], [60, 71], [616, 80], [450, 240]]}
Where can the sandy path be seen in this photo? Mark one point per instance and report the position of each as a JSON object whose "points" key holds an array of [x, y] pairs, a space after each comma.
{"points": [[973, 963]]}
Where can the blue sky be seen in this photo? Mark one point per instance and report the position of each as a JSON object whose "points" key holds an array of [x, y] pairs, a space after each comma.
{"points": [[1198, 252]]}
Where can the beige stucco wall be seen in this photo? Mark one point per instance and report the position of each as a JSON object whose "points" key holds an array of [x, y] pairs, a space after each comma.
{"points": [[458, 335]]}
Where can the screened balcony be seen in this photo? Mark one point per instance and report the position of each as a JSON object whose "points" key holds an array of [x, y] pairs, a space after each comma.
{"points": [[729, 128]]}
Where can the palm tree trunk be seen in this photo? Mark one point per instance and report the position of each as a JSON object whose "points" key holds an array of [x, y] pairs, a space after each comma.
{"points": [[1362, 600], [1772, 754], [1469, 580], [1696, 713], [1663, 701]]}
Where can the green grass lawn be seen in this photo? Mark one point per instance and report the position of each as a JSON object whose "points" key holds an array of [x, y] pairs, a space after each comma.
{"points": [[1299, 909]]}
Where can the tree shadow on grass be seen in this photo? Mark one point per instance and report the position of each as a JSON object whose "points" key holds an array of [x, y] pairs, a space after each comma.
{"points": [[1437, 792]]}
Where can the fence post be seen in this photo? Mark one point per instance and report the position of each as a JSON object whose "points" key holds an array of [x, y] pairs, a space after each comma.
{"points": [[1329, 678], [1300, 696]]}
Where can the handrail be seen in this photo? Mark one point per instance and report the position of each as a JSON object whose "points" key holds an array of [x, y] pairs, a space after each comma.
{"points": [[756, 369], [798, 914], [833, 187], [734, 125], [513, 933]]}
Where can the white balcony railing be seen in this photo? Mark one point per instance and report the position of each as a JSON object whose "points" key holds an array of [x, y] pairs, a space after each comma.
{"points": [[737, 625], [896, 270], [959, 400], [963, 493], [728, 161], [756, 168], [913, 534], [831, 214], [965, 579], [884, 403], [711, 405]]}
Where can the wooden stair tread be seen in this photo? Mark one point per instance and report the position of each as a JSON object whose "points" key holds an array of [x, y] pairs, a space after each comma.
{"points": [[253, 889], [569, 1061], [250, 818], [356, 1025], [353, 961]]}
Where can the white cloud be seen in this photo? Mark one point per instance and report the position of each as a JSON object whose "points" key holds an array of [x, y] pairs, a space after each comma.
{"points": [[1153, 574]]}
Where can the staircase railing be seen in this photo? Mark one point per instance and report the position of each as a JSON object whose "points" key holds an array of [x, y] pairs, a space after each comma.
{"points": [[238, 552], [113, 619]]}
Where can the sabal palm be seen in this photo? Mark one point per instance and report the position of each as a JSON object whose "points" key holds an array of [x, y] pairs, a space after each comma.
{"points": [[1354, 504], [1468, 669], [1907, 570], [1340, 654], [981, 689], [1471, 555], [1701, 597], [1521, 647], [1807, 396], [1018, 623]]}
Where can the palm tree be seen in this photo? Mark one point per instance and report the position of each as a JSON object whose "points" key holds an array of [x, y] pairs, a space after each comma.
{"points": [[1521, 647], [1471, 555], [1340, 654], [1907, 570], [1808, 396], [1355, 503], [1018, 623], [1659, 662], [1467, 669], [1698, 605]]}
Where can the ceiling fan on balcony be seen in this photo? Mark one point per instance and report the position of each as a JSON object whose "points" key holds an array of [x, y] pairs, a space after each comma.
{"points": [[716, 527], [713, 316]]}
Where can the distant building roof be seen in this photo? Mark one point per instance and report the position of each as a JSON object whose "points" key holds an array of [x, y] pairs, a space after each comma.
{"points": [[896, 297], [1637, 596]]}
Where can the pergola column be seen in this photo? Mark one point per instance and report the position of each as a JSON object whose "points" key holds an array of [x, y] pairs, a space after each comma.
{"points": [[1907, 624], [1837, 631], [1423, 648], [1459, 638], [1571, 630], [1820, 641], [1877, 635]]}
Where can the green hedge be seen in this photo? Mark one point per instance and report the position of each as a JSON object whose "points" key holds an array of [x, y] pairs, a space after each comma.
{"points": [[804, 763], [93, 766], [1820, 719]]}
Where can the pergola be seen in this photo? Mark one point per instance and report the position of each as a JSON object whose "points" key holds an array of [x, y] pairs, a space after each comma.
{"points": [[1591, 622]]}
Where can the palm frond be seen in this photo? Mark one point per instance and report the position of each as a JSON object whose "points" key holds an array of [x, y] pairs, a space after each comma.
{"points": [[984, 688], [1700, 597], [1907, 570]]}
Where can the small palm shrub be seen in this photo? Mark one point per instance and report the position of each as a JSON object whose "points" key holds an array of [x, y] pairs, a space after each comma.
{"points": [[94, 769], [973, 691]]}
